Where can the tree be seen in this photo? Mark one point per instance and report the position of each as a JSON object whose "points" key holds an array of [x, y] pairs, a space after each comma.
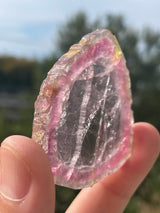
{"points": [[17, 74], [72, 31]]}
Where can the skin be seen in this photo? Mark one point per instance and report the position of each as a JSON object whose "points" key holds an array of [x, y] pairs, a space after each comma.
{"points": [[27, 182]]}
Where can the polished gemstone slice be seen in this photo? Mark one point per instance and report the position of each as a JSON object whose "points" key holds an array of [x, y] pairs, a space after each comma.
{"points": [[83, 117]]}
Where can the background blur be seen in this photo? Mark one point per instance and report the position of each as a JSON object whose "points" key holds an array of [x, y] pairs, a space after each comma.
{"points": [[34, 34]]}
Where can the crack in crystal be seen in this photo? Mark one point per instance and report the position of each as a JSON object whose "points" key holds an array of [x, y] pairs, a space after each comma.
{"points": [[102, 114]]}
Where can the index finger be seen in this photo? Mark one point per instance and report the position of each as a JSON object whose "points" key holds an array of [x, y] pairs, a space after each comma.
{"points": [[113, 192]]}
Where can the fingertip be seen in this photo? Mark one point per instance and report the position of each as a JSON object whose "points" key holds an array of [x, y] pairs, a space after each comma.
{"points": [[16, 138], [27, 146], [146, 148], [41, 193], [143, 130], [30, 151], [146, 137], [19, 141]]}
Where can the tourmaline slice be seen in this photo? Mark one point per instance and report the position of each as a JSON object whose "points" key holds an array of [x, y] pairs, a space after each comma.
{"points": [[83, 117]]}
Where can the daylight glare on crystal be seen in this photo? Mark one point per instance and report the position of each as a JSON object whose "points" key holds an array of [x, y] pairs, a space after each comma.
{"points": [[83, 117]]}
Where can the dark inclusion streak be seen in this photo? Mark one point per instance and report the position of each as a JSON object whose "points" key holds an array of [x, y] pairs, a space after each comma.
{"points": [[81, 132], [89, 142], [88, 152], [66, 134]]}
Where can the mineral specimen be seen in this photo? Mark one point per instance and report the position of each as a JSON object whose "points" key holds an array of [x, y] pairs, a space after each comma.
{"points": [[83, 117]]}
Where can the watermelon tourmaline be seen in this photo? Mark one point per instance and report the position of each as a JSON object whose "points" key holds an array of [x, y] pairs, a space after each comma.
{"points": [[83, 117]]}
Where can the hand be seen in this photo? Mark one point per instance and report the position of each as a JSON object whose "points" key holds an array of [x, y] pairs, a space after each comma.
{"points": [[27, 183]]}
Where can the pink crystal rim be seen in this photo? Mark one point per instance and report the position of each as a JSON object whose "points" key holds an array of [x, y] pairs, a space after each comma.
{"points": [[49, 104]]}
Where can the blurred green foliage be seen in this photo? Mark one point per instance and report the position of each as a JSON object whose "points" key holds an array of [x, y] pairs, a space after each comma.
{"points": [[20, 80]]}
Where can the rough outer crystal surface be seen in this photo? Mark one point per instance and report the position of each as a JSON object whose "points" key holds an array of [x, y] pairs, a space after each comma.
{"points": [[83, 117]]}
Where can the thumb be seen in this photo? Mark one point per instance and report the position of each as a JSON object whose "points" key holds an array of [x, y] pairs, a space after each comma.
{"points": [[26, 180]]}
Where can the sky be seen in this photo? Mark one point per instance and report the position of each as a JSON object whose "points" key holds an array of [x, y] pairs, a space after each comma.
{"points": [[29, 28]]}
